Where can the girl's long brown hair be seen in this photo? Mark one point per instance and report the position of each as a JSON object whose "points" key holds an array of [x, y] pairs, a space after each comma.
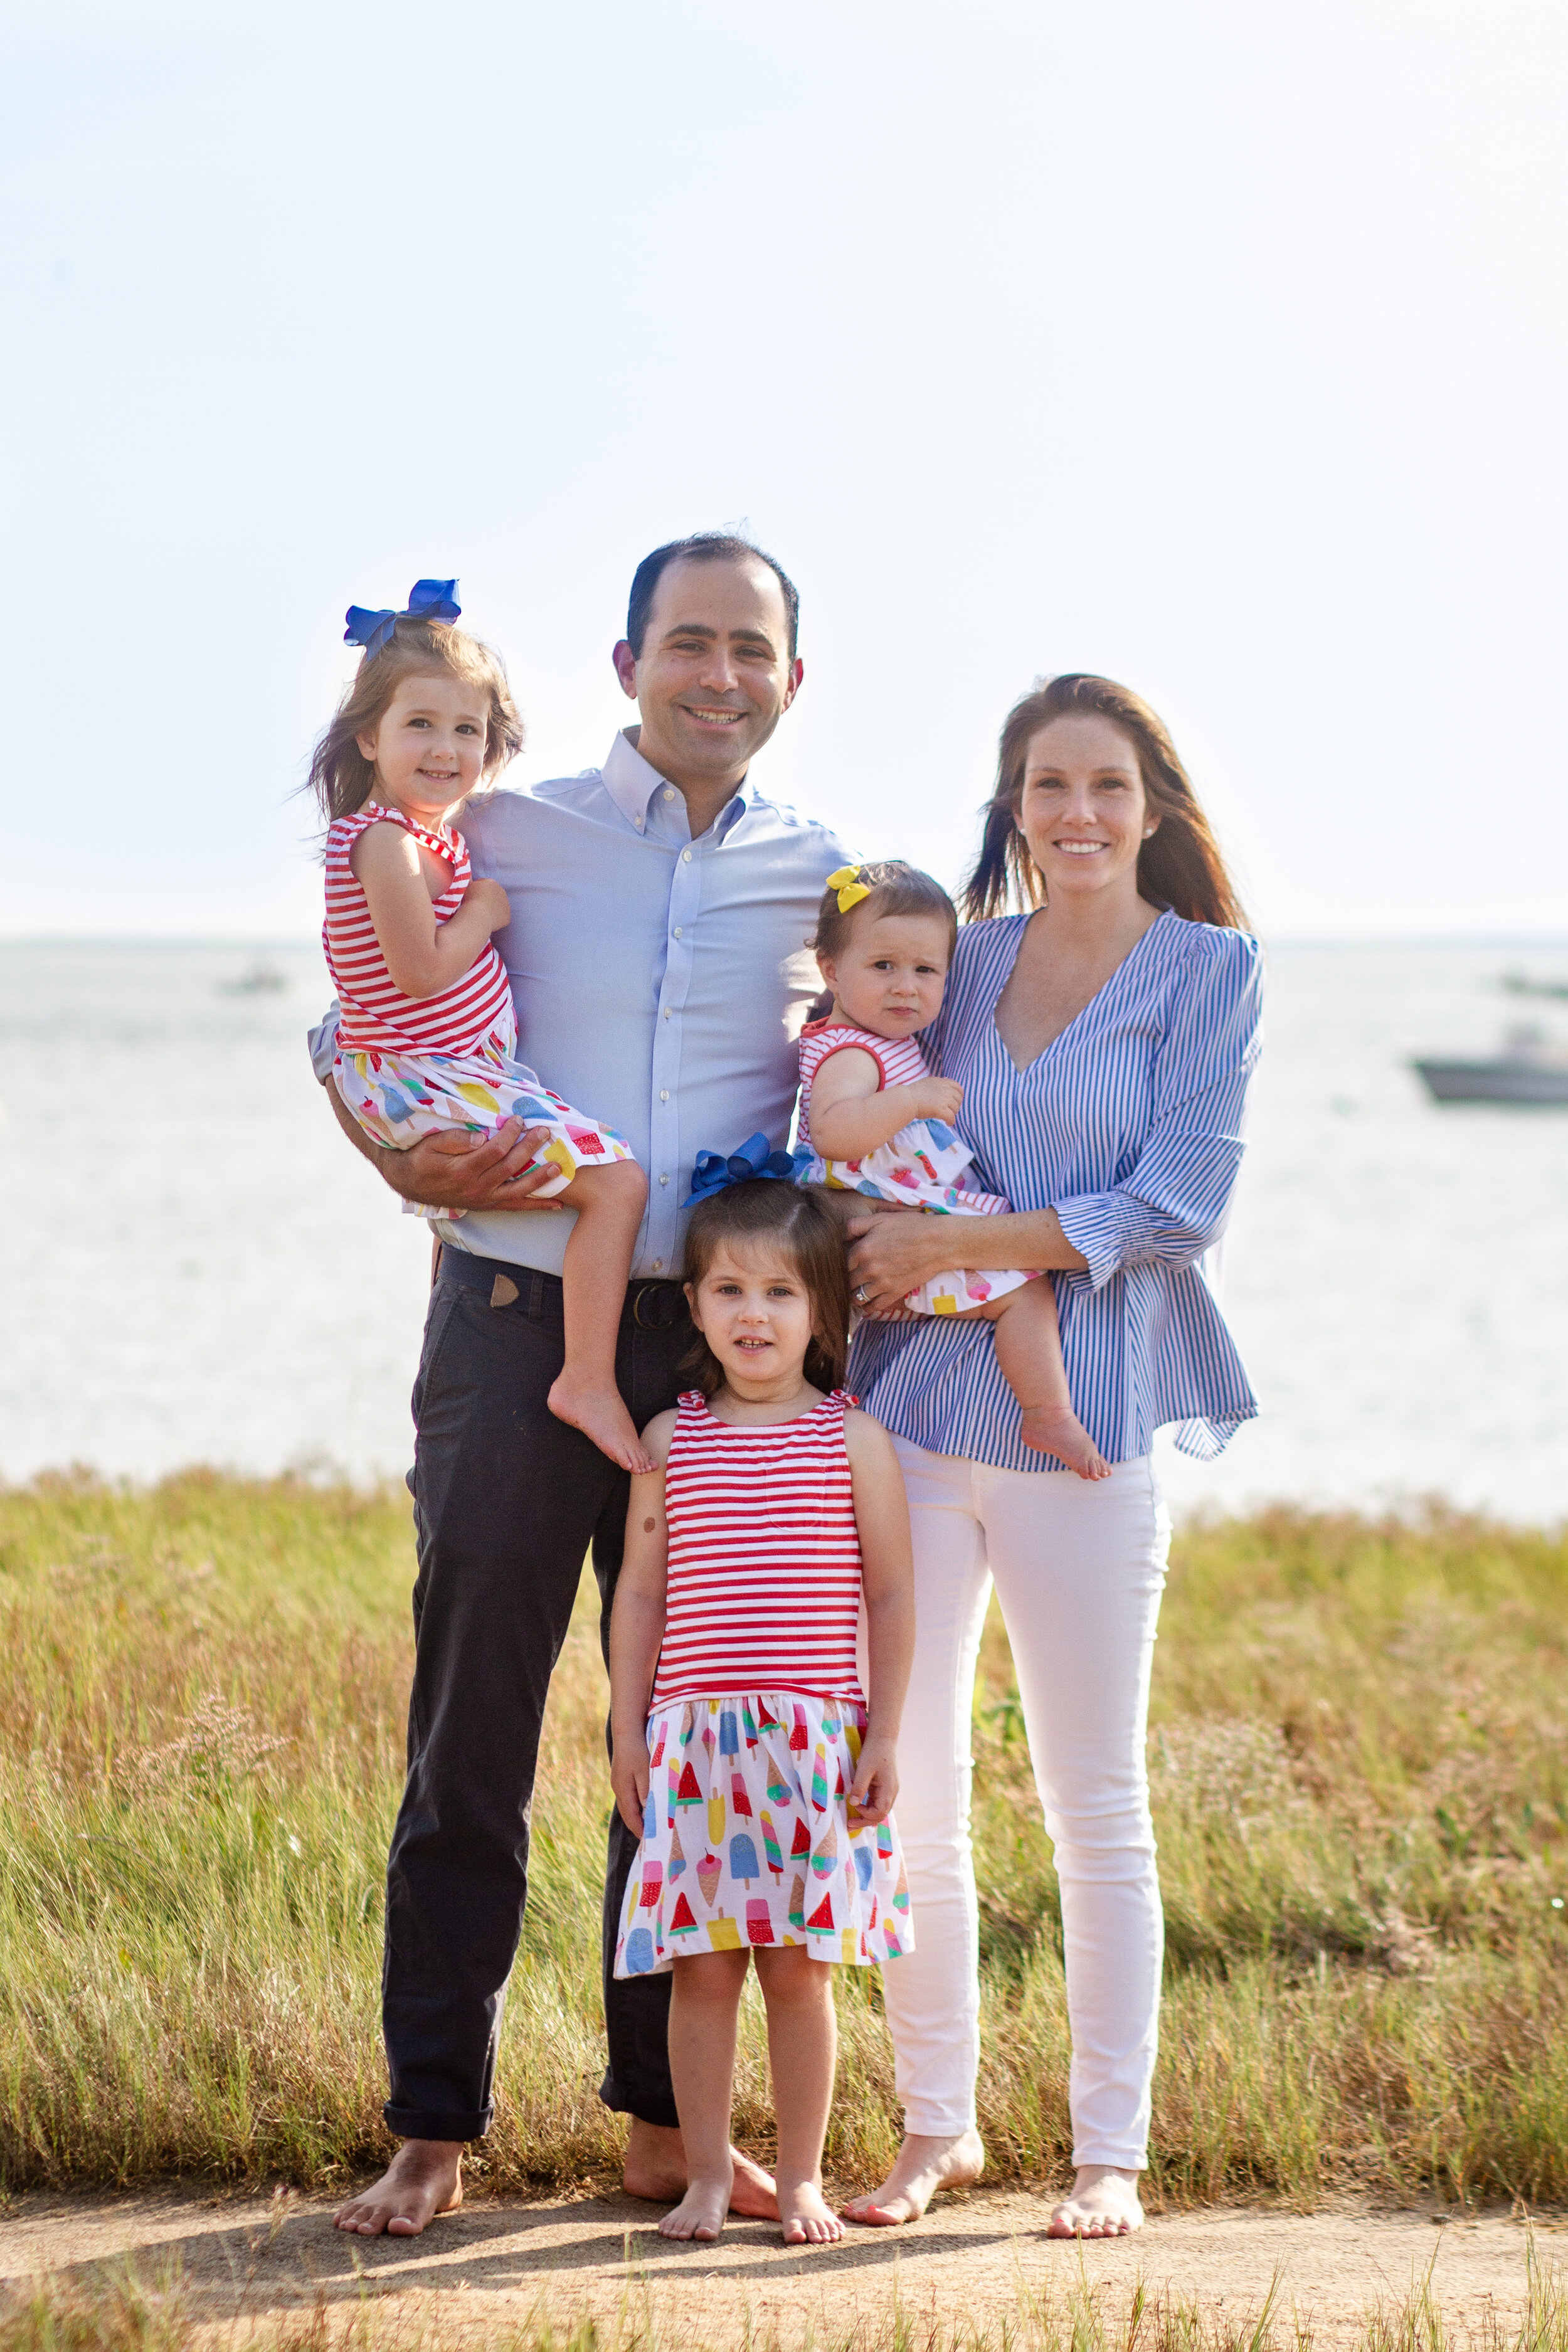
{"points": [[340, 776], [1179, 865], [774, 1211]]}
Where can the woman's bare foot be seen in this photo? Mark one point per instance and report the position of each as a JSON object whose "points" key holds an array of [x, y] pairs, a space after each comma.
{"points": [[700, 2213], [1056, 1429], [423, 2179], [925, 2163], [655, 2167], [600, 1414], [806, 2220], [1103, 2204]]}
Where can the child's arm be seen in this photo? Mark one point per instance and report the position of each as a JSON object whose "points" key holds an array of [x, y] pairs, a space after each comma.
{"points": [[883, 1516], [422, 956], [636, 1626], [850, 1117]]}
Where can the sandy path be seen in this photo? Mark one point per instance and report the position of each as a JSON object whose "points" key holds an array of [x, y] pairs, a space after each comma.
{"points": [[975, 2258]]}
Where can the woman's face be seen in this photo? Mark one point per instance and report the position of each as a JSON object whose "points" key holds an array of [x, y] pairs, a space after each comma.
{"points": [[1083, 811]]}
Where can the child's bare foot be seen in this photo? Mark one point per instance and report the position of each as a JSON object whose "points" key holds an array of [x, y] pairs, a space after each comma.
{"points": [[600, 1414], [1103, 2204], [700, 2213], [1056, 1429], [806, 2220], [423, 2179]]}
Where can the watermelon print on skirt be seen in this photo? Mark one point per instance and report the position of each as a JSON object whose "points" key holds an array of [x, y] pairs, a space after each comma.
{"points": [[747, 1839]]}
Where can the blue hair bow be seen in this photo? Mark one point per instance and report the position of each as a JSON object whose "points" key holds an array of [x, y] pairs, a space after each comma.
{"points": [[716, 1170], [428, 600]]}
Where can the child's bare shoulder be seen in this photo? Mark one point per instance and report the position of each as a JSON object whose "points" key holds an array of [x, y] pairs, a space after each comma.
{"points": [[865, 1438], [384, 848], [658, 1435]]}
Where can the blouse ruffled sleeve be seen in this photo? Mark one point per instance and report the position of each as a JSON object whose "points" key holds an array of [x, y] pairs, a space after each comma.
{"points": [[1174, 1203]]}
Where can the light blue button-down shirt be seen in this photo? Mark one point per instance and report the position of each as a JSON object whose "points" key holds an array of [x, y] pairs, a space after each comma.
{"points": [[660, 981]]}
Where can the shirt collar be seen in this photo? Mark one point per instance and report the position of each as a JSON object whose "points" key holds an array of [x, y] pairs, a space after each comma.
{"points": [[632, 782]]}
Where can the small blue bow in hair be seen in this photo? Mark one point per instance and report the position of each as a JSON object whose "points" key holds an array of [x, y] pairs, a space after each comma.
{"points": [[428, 600], [716, 1170]]}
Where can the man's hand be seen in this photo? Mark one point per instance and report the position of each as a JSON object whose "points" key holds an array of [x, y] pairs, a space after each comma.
{"points": [[458, 1170], [630, 1772]]}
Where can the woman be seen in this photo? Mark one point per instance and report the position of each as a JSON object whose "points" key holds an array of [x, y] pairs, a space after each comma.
{"points": [[1105, 1040]]}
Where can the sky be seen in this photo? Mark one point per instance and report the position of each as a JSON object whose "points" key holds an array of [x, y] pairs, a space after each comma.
{"points": [[1217, 347]]}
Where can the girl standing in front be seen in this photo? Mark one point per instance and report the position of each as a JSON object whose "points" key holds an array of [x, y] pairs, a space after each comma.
{"points": [[744, 1751], [427, 1033]]}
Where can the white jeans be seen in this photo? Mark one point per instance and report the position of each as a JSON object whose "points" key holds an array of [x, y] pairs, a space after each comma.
{"points": [[1078, 1570]]}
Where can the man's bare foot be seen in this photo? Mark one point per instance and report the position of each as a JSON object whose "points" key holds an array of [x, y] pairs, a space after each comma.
{"points": [[1056, 1429], [925, 2163], [423, 2179], [700, 2213], [806, 2220], [1103, 2204], [655, 2167], [600, 1414]]}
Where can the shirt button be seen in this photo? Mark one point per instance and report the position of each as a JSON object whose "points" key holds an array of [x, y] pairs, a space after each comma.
{"points": [[678, 929], [669, 792], [664, 1094], [667, 1012], [686, 858], [664, 1179], [658, 1266]]}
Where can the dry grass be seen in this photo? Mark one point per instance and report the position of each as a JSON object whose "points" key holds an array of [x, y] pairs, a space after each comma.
{"points": [[1362, 1794], [125, 2314]]}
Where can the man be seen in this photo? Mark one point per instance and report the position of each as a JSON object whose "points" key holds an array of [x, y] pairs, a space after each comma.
{"points": [[657, 957]]}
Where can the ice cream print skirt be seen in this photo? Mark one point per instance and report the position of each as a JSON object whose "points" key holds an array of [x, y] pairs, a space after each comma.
{"points": [[746, 1838]]}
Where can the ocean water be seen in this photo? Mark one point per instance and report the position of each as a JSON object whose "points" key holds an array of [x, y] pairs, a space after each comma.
{"points": [[196, 1266]]}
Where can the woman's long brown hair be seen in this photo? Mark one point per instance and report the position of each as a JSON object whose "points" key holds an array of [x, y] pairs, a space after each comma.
{"points": [[1179, 865]]}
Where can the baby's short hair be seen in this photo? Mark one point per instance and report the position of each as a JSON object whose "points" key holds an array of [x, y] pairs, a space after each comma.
{"points": [[894, 888]]}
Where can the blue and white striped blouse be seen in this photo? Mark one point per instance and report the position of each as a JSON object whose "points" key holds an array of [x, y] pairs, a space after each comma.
{"points": [[1130, 1126]]}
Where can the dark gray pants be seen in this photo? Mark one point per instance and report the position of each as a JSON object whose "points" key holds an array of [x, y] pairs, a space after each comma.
{"points": [[507, 1501]]}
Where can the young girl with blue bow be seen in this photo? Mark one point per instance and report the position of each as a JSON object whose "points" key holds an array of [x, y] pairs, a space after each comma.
{"points": [[427, 1031], [744, 1751]]}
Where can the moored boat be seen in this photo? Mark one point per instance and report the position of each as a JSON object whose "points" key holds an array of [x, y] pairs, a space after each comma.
{"points": [[1528, 1070]]}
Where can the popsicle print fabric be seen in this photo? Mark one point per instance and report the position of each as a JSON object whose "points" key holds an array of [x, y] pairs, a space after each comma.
{"points": [[746, 1838], [399, 1098]]}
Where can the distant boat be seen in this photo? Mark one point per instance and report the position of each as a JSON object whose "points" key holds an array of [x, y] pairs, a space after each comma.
{"points": [[261, 980], [1527, 1070], [1519, 983]]}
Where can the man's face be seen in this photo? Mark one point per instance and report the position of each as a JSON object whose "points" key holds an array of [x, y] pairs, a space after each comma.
{"points": [[714, 675]]}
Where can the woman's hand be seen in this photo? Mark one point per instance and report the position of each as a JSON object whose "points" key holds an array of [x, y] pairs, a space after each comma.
{"points": [[876, 1783], [630, 1774], [893, 1254]]}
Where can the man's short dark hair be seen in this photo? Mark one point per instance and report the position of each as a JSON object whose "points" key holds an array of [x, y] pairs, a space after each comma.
{"points": [[703, 547]]}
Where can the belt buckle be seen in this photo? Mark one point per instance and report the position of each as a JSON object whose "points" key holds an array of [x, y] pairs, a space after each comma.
{"points": [[666, 1322]]}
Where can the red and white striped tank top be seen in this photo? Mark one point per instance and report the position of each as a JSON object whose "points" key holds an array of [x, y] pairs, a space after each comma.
{"points": [[474, 1015], [899, 1059], [763, 1589]]}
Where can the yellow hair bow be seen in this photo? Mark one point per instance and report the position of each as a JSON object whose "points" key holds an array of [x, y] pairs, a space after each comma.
{"points": [[849, 887]]}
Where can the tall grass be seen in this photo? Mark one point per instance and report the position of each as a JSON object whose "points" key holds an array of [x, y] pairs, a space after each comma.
{"points": [[1361, 1785]]}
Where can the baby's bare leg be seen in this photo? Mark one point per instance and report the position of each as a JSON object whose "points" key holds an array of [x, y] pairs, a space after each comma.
{"points": [[1029, 1350], [609, 1205]]}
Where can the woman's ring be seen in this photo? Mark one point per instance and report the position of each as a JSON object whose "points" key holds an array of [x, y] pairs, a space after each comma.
{"points": [[860, 1295]]}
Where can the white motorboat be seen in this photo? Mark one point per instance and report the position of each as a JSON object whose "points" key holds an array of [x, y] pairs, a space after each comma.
{"points": [[1528, 1069], [262, 980]]}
